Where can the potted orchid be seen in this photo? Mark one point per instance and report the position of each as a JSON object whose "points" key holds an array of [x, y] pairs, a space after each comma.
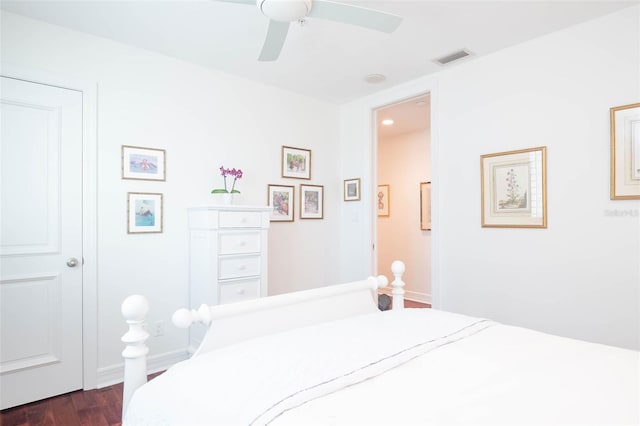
{"points": [[226, 193]]}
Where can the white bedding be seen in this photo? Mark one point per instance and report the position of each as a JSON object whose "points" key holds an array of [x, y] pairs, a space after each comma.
{"points": [[449, 369]]}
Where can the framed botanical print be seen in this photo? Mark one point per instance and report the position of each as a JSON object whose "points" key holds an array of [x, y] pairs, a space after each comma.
{"points": [[625, 152], [144, 213], [311, 202], [383, 200], [351, 190], [281, 200], [296, 163], [425, 206], [143, 163], [514, 189]]}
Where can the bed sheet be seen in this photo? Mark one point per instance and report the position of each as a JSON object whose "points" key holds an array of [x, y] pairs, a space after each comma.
{"points": [[252, 382], [502, 375], [416, 366]]}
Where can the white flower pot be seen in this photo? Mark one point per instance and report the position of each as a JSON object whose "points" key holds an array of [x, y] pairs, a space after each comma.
{"points": [[222, 199]]}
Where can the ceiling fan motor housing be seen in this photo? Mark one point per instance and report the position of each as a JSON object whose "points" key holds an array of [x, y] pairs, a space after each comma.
{"points": [[285, 10]]}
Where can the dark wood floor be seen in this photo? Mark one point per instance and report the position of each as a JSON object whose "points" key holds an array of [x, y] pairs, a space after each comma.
{"points": [[94, 407], [97, 407]]}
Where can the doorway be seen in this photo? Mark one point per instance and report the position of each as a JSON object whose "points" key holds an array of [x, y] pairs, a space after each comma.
{"points": [[403, 172], [36, 95], [41, 250]]}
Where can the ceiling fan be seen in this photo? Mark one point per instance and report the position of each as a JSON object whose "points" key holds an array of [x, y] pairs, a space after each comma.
{"points": [[282, 12]]}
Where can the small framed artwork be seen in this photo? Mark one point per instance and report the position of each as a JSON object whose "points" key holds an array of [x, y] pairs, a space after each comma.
{"points": [[514, 189], [383, 200], [625, 152], [281, 201], [296, 163], [143, 163], [352, 189], [425, 206], [311, 201], [144, 213]]}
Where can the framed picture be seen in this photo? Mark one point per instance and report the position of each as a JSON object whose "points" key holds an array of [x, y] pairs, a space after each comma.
{"points": [[425, 206], [383, 200], [281, 201], [144, 213], [514, 189], [143, 163], [352, 189], [311, 201], [625, 152], [296, 163]]}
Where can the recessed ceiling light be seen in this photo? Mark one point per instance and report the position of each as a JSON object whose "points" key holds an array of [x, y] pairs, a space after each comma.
{"points": [[387, 122], [375, 78]]}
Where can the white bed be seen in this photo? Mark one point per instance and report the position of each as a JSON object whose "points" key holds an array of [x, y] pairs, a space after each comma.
{"points": [[329, 357]]}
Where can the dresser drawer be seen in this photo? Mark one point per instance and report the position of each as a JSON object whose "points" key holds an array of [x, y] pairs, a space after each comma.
{"points": [[239, 266], [239, 291], [240, 219], [236, 243]]}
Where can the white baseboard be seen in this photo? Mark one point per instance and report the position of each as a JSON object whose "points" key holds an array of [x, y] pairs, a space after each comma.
{"points": [[114, 374], [418, 297], [411, 295]]}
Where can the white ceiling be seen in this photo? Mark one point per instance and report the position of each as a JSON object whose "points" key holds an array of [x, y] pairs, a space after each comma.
{"points": [[321, 59], [408, 116]]}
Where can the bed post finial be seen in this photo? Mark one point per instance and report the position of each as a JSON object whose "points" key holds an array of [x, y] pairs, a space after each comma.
{"points": [[134, 310], [183, 318], [397, 268]]}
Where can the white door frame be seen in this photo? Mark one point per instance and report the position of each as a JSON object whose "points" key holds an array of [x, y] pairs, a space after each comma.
{"points": [[89, 206], [391, 96], [374, 178]]}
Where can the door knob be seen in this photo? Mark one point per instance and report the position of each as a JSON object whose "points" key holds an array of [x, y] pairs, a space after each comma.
{"points": [[72, 262]]}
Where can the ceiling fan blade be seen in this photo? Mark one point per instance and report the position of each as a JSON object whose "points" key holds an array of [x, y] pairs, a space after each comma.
{"points": [[276, 35], [355, 15], [251, 2]]}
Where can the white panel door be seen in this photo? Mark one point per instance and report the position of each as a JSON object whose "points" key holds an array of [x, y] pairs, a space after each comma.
{"points": [[40, 241]]}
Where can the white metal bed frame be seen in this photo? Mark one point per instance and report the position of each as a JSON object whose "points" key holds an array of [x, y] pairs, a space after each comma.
{"points": [[227, 324]]}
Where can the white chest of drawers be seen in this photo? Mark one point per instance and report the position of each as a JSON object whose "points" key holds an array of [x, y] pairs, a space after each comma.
{"points": [[228, 256]]}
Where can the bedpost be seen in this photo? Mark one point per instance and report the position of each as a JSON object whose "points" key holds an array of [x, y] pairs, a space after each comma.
{"points": [[134, 309], [397, 268], [183, 318]]}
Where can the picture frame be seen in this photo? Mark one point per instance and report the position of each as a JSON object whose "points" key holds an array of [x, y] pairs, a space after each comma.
{"points": [[296, 163], [311, 202], [144, 213], [625, 152], [281, 200], [141, 163], [351, 189], [383, 200], [514, 189], [425, 206]]}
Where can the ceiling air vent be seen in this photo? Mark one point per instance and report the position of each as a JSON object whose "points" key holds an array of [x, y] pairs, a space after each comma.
{"points": [[452, 57]]}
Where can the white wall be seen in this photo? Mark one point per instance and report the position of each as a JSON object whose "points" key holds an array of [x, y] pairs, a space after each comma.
{"points": [[577, 278], [204, 120], [403, 162], [580, 277]]}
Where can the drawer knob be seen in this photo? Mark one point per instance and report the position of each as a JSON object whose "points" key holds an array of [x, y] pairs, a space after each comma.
{"points": [[242, 243], [240, 291], [243, 219], [242, 267]]}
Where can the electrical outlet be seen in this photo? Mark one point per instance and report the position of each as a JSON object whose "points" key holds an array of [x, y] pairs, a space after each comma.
{"points": [[158, 328]]}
